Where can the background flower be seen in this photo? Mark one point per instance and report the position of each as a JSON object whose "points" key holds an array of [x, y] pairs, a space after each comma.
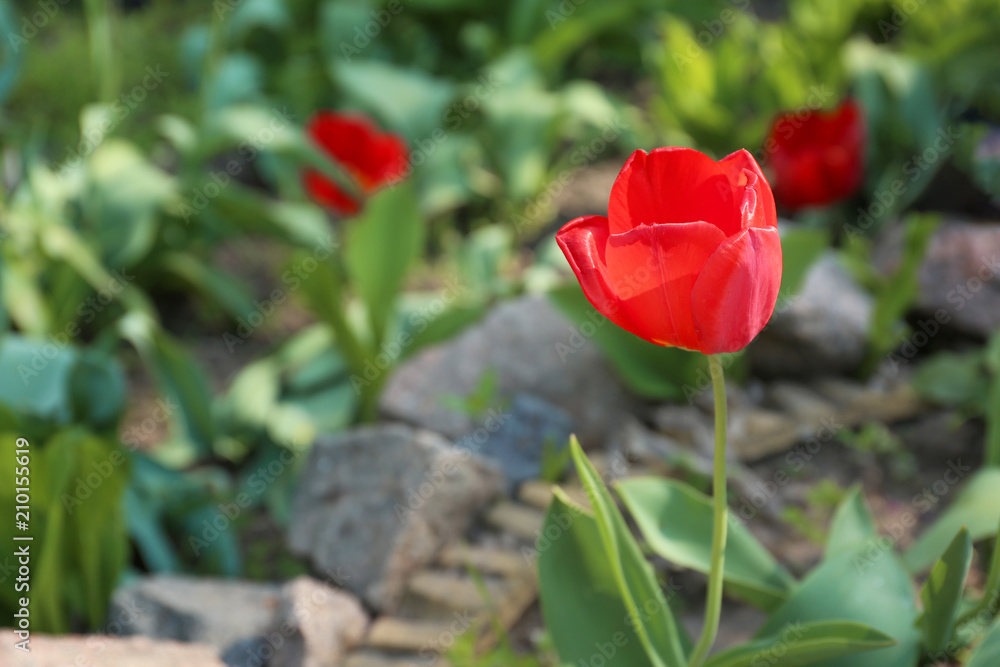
{"points": [[371, 157]]}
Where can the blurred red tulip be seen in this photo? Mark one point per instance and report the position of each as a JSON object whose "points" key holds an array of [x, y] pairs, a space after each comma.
{"points": [[817, 157], [371, 157], [689, 255]]}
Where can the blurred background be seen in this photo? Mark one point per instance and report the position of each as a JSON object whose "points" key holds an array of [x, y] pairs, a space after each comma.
{"points": [[173, 304]]}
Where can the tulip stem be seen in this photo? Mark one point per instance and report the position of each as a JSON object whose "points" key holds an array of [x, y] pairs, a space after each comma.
{"points": [[720, 523]]}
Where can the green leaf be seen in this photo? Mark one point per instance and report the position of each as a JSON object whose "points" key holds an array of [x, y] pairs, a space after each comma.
{"points": [[952, 379], [649, 370], [987, 654], [800, 248], [578, 591], [407, 100], [976, 507], [852, 527], [179, 378], [804, 644], [637, 585], [380, 247], [126, 194], [36, 377], [866, 586], [97, 388], [676, 521], [942, 592]]}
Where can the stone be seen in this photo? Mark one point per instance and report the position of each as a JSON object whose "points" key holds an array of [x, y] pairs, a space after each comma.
{"points": [[959, 274], [519, 444], [823, 330], [316, 625], [106, 651], [377, 503], [533, 349], [216, 612]]}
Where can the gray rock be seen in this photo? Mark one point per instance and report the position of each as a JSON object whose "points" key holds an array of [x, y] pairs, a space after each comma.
{"points": [[518, 445], [822, 330], [377, 503], [533, 349], [316, 625], [216, 612], [106, 651], [959, 275]]}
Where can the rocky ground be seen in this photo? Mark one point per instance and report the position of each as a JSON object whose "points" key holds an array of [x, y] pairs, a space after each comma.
{"points": [[392, 518]]}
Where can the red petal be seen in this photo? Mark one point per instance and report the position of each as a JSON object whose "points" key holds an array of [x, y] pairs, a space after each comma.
{"points": [[672, 185], [751, 187], [583, 241], [373, 158], [735, 294], [653, 268], [327, 193]]}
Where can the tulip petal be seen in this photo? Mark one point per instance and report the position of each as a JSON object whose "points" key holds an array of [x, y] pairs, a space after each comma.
{"points": [[652, 270], [751, 188], [327, 193], [373, 158], [672, 185], [583, 242], [734, 296]]}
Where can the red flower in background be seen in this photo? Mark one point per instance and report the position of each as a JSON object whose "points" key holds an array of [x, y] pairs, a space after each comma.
{"points": [[689, 255], [371, 157], [817, 157]]}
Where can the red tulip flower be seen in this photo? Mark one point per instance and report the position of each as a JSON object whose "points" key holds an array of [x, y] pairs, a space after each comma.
{"points": [[817, 157], [372, 158], [689, 255]]}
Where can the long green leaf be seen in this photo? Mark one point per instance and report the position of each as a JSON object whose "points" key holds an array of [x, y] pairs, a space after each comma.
{"points": [[987, 654], [852, 527], [942, 591], [380, 247], [676, 521], [583, 610], [800, 644], [648, 609]]}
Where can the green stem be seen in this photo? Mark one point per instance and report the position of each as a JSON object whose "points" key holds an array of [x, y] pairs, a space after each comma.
{"points": [[100, 34], [720, 522]]}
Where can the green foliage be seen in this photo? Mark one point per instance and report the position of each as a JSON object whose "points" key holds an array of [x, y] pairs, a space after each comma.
{"points": [[942, 592], [805, 644], [976, 507], [676, 522], [895, 295], [76, 481]]}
